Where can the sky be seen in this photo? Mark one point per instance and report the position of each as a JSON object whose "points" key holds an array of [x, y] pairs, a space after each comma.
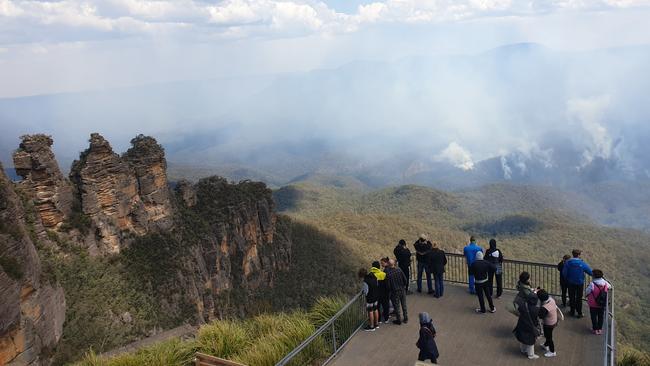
{"points": [[69, 45]]}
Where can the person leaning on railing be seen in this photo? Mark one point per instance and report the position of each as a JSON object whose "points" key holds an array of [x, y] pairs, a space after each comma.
{"points": [[403, 256], [597, 293]]}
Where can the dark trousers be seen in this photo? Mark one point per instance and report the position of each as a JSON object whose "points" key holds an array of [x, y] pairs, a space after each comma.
{"points": [[565, 287], [499, 278], [597, 317], [438, 279], [482, 289], [384, 308], [423, 267], [548, 334], [398, 297], [423, 356], [407, 272], [575, 298]]}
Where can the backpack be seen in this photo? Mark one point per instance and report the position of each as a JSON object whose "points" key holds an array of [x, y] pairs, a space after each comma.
{"points": [[601, 299]]}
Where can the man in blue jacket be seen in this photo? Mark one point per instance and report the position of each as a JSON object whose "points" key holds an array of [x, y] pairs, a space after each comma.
{"points": [[574, 270], [470, 256]]}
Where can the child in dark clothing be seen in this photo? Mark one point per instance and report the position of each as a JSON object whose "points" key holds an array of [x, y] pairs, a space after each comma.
{"points": [[371, 290], [427, 343]]}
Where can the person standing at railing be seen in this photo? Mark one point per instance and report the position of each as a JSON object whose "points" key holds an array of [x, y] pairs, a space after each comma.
{"points": [[470, 256], [423, 249], [403, 256], [397, 287], [481, 270], [550, 314], [378, 269], [563, 283], [371, 290], [597, 293], [574, 270], [438, 261], [495, 256]]}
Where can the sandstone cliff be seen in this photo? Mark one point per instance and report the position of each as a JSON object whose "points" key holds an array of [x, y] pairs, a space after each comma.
{"points": [[32, 312], [52, 194]]}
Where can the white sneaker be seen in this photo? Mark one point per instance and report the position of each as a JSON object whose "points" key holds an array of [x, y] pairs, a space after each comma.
{"points": [[533, 357], [550, 354]]}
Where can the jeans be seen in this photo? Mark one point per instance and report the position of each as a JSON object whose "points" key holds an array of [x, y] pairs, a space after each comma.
{"points": [[484, 289], [564, 286], [597, 317], [423, 267], [548, 335], [472, 290], [398, 297], [384, 308], [438, 279], [499, 277], [575, 298], [407, 272]]}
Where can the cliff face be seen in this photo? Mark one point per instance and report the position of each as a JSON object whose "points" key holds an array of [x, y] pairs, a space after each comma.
{"points": [[52, 193], [31, 312], [122, 196]]}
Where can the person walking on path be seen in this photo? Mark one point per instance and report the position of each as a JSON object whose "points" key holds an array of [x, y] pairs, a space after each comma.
{"points": [[597, 293], [550, 315], [422, 251], [495, 256], [527, 329], [470, 255], [403, 256], [438, 261], [397, 287], [574, 270], [427, 340], [563, 283], [481, 270], [383, 293], [371, 291]]}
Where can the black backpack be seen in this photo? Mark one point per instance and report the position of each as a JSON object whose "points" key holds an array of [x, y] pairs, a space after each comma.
{"points": [[601, 299]]}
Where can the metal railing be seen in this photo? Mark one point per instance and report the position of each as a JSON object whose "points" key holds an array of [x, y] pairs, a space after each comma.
{"points": [[328, 340], [609, 331]]}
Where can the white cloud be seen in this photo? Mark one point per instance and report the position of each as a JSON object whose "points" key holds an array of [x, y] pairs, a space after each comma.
{"points": [[457, 156]]}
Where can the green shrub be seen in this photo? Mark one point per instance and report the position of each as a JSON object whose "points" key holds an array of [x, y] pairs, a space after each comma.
{"points": [[222, 338], [633, 357], [325, 308]]}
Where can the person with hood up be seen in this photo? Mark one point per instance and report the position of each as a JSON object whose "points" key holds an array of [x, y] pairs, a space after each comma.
{"points": [[437, 262], [481, 270], [550, 315], [469, 252], [597, 293], [427, 342], [495, 256], [563, 284], [383, 293], [422, 251], [371, 290], [403, 256], [527, 329], [574, 270]]}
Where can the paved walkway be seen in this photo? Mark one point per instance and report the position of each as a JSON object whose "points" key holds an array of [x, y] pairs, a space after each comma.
{"points": [[184, 330], [467, 338]]}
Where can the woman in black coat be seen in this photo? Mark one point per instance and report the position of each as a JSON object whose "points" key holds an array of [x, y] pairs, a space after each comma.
{"points": [[527, 329], [426, 342]]}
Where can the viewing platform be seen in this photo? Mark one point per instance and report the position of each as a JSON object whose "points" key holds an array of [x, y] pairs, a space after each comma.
{"points": [[467, 338], [463, 336]]}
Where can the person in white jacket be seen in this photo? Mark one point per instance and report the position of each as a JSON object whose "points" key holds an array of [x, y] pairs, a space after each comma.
{"points": [[597, 293]]}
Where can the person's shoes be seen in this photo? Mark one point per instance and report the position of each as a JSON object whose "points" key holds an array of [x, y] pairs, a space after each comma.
{"points": [[406, 320], [430, 292], [369, 328], [498, 297], [579, 316], [594, 331], [386, 321], [493, 310], [419, 290], [550, 354], [572, 314], [599, 332], [479, 311], [545, 348], [397, 322], [377, 326], [533, 357]]}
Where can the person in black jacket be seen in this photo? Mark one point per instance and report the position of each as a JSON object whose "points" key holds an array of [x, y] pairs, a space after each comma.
{"points": [[527, 329], [564, 285], [397, 287], [371, 290], [427, 340], [422, 250], [437, 263], [495, 256], [481, 270], [403, 256]]}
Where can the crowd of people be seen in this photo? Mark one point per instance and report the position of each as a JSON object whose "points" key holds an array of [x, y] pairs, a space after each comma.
{"points": [[386, 284]]}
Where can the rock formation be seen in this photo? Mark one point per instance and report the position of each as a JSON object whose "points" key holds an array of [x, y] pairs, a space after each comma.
{"points": [[52, 194], [122, 196], [31, 312]]}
